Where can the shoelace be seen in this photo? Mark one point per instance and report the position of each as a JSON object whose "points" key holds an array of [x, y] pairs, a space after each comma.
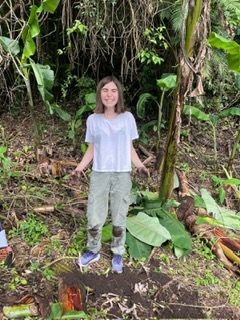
{"points": [[89, 254], [117, 259]]}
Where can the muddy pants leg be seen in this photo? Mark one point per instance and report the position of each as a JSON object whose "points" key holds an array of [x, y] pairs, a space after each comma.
{"points": [[119, 202], [97, 210]]}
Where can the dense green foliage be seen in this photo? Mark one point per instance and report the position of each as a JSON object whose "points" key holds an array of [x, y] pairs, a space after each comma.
{"points": [[62, 48], [137, 41]]}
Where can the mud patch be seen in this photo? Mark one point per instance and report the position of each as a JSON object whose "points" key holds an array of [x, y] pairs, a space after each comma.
{"points": [[142, 295]]}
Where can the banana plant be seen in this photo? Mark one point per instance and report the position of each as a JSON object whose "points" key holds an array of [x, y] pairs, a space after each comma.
{"points": [[213, 120], [191, 23], [21, 56], [231, 47], [165, 83]]}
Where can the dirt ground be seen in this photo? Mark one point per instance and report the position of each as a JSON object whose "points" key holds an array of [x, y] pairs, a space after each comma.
{"points": [[164, 287]]}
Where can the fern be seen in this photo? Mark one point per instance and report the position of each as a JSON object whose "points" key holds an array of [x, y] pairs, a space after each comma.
{"points": [[232, 5], [178, 16], [218, 62], [173, 12], [231, 10]]}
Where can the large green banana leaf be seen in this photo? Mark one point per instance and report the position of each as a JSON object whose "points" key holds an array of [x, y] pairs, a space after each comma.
{"points": [[147, 229], [136, 248]]}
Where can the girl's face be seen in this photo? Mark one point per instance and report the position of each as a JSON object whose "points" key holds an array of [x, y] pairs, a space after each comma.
{"points": [[109, 95]]}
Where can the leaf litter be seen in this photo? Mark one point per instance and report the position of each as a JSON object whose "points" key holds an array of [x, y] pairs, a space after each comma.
{"points": [[157, 288]]}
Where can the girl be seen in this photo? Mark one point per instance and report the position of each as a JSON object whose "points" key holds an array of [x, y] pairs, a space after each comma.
{"points": [[110, 131]]}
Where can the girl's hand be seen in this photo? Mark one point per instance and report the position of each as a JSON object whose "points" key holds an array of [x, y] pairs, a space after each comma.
{"points": [[75, 176], [143, 172]]}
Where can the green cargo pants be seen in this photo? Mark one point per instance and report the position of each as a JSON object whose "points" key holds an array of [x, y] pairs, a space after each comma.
{"points": [[108, 190]]}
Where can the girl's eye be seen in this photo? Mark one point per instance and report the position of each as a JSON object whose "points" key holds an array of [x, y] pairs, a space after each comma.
{"points": [[112, 91]]}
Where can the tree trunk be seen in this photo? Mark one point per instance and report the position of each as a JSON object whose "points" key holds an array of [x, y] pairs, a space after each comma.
{"points": [[168, 163], [186, 71]]}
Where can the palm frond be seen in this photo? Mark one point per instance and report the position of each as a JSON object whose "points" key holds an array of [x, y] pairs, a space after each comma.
{"points": [[217, 62], [172, 10], [177, 15], [232, 5], [231, 10]]}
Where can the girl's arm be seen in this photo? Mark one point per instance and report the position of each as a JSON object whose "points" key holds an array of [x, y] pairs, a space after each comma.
{"points": [[135, 158], [138, 163], [87, 158]]}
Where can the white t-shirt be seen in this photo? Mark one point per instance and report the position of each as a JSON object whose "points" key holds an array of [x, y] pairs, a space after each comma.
{"points": [[112, 140]]}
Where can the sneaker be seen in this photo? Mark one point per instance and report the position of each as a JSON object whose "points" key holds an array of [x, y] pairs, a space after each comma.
{"points": [[117, 263], [87, 258]]}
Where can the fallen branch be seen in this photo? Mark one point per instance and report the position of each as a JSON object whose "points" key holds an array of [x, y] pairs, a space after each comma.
{"points": [[44, 209], [148, 160], [144, 151]]}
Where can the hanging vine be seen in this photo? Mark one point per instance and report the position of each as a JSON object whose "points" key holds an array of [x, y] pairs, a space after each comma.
{"points": [[111, 25]]}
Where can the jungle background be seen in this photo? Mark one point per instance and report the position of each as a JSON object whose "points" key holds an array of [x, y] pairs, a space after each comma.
{"points": [[179, 63]]}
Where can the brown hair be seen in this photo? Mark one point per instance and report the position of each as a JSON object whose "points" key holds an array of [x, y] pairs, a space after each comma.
{"points": [[119, 108]]}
